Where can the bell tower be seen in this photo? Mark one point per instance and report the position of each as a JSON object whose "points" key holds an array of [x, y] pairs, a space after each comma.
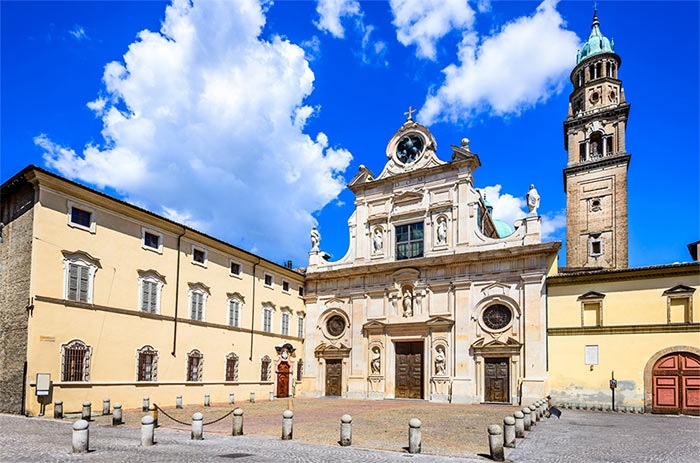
{"points": [[595, 177]]}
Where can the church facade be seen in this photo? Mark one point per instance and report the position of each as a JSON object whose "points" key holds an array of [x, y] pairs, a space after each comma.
{"points": [[434, 299]]}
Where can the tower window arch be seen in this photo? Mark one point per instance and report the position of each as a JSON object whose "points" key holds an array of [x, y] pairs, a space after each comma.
{"points": [[596, 144]]}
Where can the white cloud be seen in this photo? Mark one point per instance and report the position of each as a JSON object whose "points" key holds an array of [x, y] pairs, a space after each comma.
{"points": [[204, 122], [515, 68], [510, 208], [312, 48], [332, 11], [424, 22], [484, 6], [78, 33]]}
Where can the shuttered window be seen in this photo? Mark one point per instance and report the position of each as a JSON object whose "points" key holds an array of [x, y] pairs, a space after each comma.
{"points": [[285, 324], [265, 369], [234, 312], [194, 366], [300, 369], [197, 309], [232, 367], [149, 296], [267, 320], [78, 282], [300, 327]]}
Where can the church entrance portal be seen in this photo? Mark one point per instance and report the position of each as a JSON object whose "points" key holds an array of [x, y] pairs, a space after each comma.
{"points": [[409, 370], [496, 379], [283, 380], [334, 377]]}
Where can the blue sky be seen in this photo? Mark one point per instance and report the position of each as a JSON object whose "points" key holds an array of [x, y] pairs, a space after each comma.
{"points": [[247, 121]]}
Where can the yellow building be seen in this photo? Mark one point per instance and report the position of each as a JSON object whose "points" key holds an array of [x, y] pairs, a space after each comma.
{"points": [[114, 301], [637, 324]]}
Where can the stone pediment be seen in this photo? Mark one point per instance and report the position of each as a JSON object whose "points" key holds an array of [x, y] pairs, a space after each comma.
{"points": [[332, 351], [408, 196], [406, 274], [495, 288], [364, 175], [495, 344], [679, 289], [440, 322], [591, 295], [374, 324]]}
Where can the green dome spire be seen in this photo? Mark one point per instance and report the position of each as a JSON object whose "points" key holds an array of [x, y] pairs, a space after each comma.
{"points": [[597, 43]]}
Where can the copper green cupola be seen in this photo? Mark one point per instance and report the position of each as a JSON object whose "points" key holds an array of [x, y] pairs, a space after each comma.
{"points": [[596, 43]]}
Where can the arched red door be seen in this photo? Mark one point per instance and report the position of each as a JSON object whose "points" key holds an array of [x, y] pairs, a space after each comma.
{"points": [[283, 379], [676, 384]]}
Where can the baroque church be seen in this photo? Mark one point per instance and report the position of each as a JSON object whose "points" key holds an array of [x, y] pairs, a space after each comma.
{"points": [[434, 299]]}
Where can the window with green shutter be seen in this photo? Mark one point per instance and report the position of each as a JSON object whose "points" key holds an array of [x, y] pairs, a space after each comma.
{"points": [[78, 283]]}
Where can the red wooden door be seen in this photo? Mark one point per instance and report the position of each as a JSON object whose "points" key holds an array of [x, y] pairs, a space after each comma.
{"points": [[283, 380], [676, 384]]}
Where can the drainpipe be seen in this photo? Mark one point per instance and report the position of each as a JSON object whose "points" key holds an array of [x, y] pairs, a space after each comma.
{"points": [[252, 305], [177, 290]]}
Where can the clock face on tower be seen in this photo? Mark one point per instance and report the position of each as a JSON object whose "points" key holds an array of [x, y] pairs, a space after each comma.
{"points": [[409, 147]]}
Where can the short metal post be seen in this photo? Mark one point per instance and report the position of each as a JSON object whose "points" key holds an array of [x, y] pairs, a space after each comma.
{"points": [[231, 398], [345, 430], [526, 419], [58, 409], [237, 422], [155, 415], [509, 431], [519, 424], [147, 429], [197, 426], [178, 402], [87, 411], [252, 397], [414, 436], [207, 400], [272, 396], [287, 424], [146, 404], [81, 436], [105, 406], [496, 442], [117, 414]]}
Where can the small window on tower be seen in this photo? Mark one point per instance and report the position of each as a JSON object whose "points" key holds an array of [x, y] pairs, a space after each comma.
{"points": [[596, 248], [595, 205]]}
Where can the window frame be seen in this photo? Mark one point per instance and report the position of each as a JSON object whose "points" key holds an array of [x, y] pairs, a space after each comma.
{"points": [[147, 350], [150, 276], [271, 309], [285, 313], [268, 371], [410, 241], [289, 286], [159, 249], [300, 291], [597, 354], [231, 262], [231, 356], [206, 256], [272, 280], [92, 228], [194, 353], [200, 289], [300, 326], [87, 356], [688, 313], [234, 299], [85, 261], [590, 247]]}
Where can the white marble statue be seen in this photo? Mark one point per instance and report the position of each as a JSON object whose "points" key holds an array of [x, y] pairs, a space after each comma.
{"points": [[376, 363], [378, 240], [315, 239], [533, 201], [440, 361], [407, 304], [442, 231]]}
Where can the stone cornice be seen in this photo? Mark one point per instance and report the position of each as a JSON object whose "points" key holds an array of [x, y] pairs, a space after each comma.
{"points": [[625, 329], [655, 271]]}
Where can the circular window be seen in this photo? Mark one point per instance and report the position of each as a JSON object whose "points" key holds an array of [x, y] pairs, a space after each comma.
{"points": [[497, 316], [612, 96], [335, 325], [594, 97], [409, 147]]}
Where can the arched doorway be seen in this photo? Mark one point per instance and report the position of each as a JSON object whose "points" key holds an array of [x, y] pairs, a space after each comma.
{"points": [[675, 382], [283, 372]]}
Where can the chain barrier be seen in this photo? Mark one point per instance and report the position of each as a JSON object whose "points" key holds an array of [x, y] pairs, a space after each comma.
{"points": [[190, 424]]}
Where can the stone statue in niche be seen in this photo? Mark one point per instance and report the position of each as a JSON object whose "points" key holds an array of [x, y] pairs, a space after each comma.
{"points": [[407, 303], [442, 231], [376, 363], [533, 201], [440, 361], [315, 239], [377, 240]]}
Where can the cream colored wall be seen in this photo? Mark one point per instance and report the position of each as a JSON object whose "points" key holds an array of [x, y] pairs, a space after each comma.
{"points": [[635, 301], [115, 337]]}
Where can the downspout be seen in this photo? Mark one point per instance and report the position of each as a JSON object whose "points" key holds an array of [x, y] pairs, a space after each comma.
{"points": [[177, 290], [252, 318]]}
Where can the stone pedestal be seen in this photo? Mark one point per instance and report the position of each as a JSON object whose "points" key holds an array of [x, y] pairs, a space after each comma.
{"points": [[376, 387], [440, 389]]}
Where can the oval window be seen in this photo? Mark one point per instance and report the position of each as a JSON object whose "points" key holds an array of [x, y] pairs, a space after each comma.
{"points": [[335, 325], [497, 316]]}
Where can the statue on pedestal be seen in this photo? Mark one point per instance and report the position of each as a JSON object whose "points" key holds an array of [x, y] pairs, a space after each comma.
{"points": [[440, 361], [315, 239], [533, 201], [376, 363]]}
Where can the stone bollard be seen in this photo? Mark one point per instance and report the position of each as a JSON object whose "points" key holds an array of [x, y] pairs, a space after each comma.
{"points": [[345, 430], [117, 414], [509, 431], [272, 396], [147, 428], [496, 443], [526, 419], [252, 397], [231, 398], [146, 403], [207, 400], [105, 406], [178, 402], [519, 424], [237, 429], [197, 426], [414, 436], [287, 424], [538, 410], [58, 409], [533, 416], [87, 411], [81, 436]]}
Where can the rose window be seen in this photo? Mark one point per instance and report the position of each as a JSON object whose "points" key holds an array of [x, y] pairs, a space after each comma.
{"points": [[335, 325], [497, 316]]}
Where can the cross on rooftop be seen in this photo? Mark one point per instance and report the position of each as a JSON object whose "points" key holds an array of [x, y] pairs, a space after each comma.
{"points": [[409, 113]]}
